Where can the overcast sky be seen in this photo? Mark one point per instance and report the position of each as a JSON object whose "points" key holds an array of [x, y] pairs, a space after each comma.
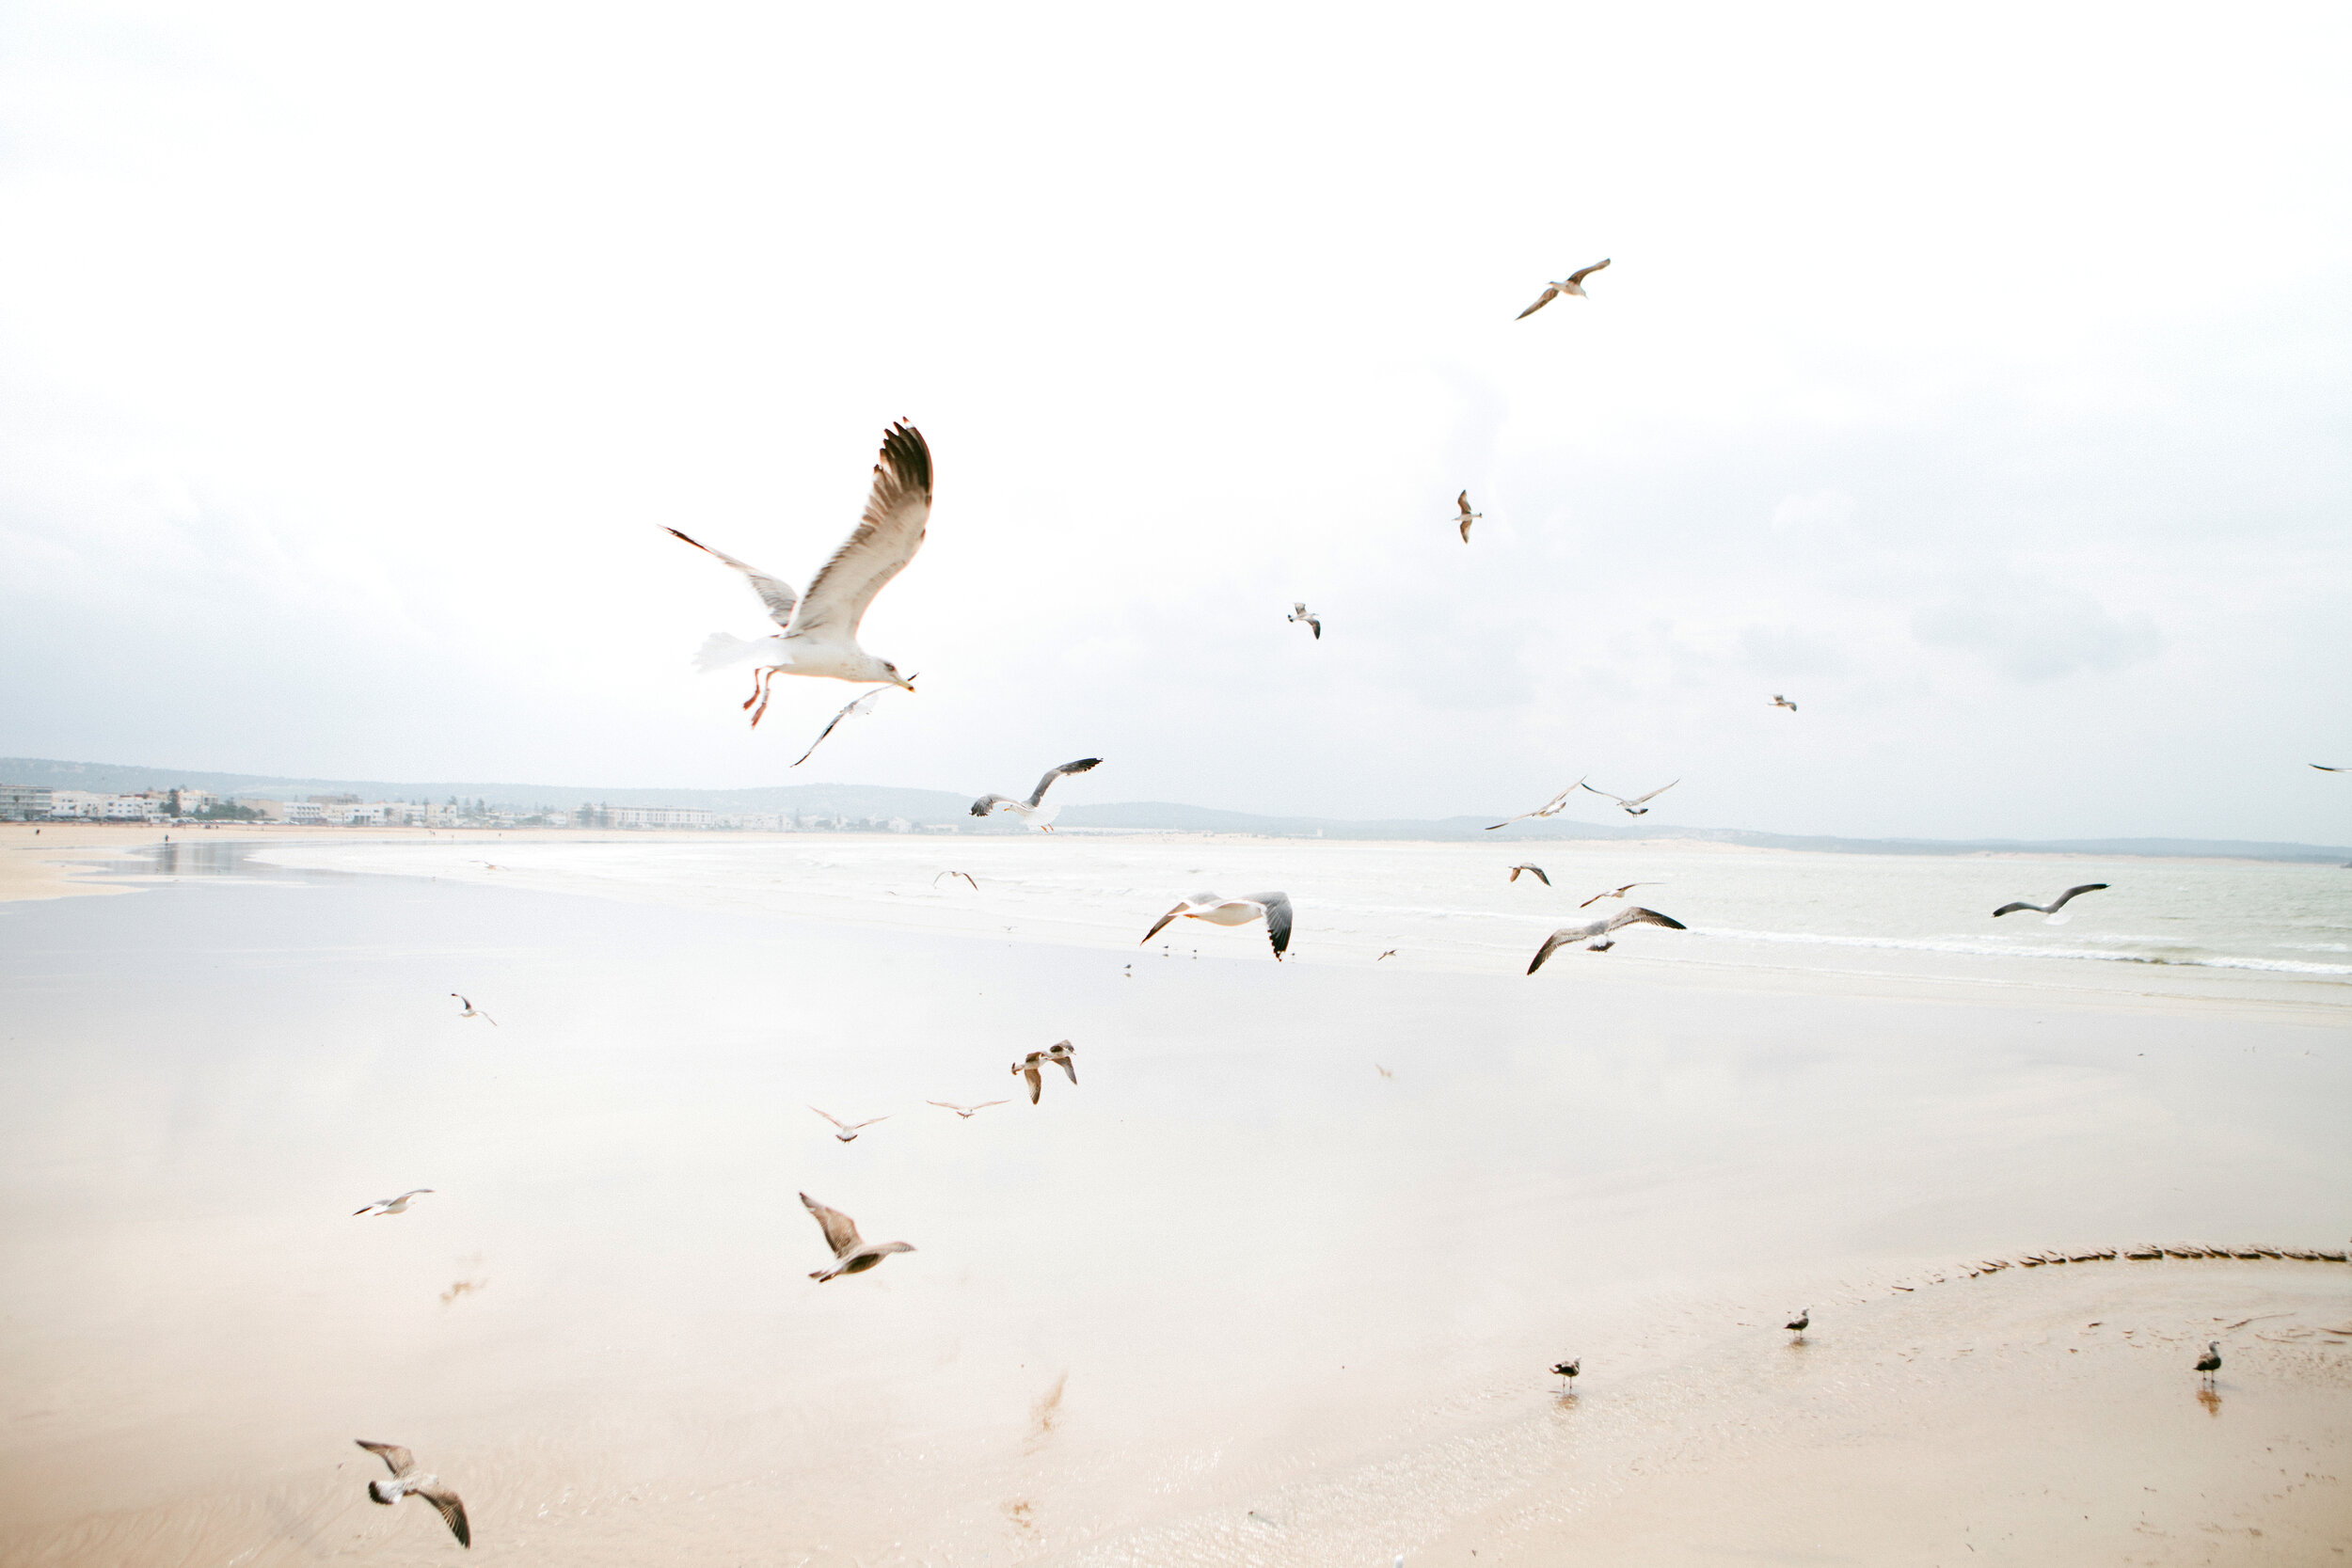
{"points": [[1980, 380]]}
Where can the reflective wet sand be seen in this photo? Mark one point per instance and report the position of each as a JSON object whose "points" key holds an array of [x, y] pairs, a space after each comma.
{"points": [[1235, 1297]]}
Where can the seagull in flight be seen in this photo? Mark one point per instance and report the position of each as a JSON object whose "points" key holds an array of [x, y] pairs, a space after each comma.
{"points": [[1300, 613], [1536, 869], [2053, 905], [1779, 701], [1273, 908], [856, 707], [851, 1255], [1468, 516], [473, 1011], [819, 631], [1547, 809], [966, 874], [1032, 811], [966, 1110], [1390, 953], [848, 1130], [1634, 807], [1572, 284], [1598, 929], [1033, 1066], [391, 1205], [407, 1481], [1613, 892]]}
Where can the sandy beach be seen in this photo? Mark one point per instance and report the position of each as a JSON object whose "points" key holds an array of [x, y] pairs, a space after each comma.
{"points": [[1276, 1282]]}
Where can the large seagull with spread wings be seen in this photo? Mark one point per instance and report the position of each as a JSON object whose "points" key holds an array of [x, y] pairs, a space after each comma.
{"points": [[819, 628]]}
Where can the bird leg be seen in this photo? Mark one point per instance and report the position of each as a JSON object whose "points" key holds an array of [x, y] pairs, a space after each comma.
{"points": [[767, 691], [758, 678]]}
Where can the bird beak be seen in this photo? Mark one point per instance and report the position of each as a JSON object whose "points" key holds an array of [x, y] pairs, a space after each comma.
{"points": [[908, 682]]}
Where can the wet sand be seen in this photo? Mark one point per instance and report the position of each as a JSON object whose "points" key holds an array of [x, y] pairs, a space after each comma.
{"points": [[1236, 1298]]}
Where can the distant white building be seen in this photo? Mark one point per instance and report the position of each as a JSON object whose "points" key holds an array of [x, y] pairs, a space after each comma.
{"points": [[131, 808], [662, 816], [74, 802], [23, 803]]}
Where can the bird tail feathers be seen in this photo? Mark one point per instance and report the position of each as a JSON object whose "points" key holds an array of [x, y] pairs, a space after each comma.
{"points": [[720, 650]]}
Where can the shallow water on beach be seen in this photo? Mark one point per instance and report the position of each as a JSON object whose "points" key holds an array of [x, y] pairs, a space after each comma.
{"points": [[1237, 1260]]}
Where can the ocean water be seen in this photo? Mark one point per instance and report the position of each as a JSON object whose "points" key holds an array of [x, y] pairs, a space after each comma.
{"points": [[1453, 906]]}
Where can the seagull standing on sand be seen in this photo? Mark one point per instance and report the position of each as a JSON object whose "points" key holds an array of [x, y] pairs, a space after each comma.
{"points": [[1797, 1325], [966, 1110], [1637, 806], [407, 1481], [1572, 284], [391, 1205], [1779, 701], [1536, 869], [849, 1254], [1547, 809], [1616, 892], [1300, 613], [2053, 905], [473, 1011], [2210, 1362], [1565, 1371], [1468, 516], [848, 1131], [818, 635], [1599, 928], [1273, 908], [1032, 811]]}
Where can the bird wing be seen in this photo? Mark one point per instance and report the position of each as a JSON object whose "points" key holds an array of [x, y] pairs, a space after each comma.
{"points": [[1545, 299], [2086, 887], [1315, 625], [773, 592], [399, 1459], [1641, 918], [1277, 919], [1163, 921], [1465, 525], [1582, 273], [2012, 909], [856, 704], [1299, 609], [1081, 765], [867, 1122], [830, 1118], [885, 540], [2325, 769], [1539, 875], [949, 1105], [1653, 794], [1462, 500], [1619, 799], [1558, 940], [453, 1514], [839, 1228], [1545, 810], [987, 803], [1037, 1085]]}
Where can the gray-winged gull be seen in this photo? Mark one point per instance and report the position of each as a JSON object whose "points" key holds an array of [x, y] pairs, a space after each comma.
{"points": [[2053, 905], [1274, 908], [1569, 934], [1300, 613], [847, 1131], [473, 1011], [391, 1205], [1547, 809], [967, 1112], [408, 1481], [1572, 284], [1467, 516], [1034, 811], [1637, 806], [1613, 892], [818, 635], [1779, 701], [1536, 869], [851, 1255]]}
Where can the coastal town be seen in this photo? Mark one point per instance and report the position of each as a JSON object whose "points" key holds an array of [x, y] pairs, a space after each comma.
{"points": [[36, 803]]}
